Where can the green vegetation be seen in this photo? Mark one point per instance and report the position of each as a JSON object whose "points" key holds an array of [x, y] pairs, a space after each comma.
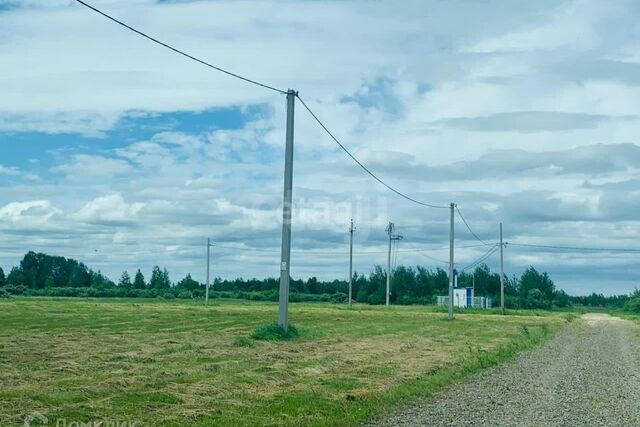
{"points": [[170, 363], [274, 332], [43, 275], [51, 276]]}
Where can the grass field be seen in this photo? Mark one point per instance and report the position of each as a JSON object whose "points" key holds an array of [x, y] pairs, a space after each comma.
{"points": [[172, 363]]}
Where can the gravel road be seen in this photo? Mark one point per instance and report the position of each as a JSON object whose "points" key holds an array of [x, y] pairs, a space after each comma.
{"points": [[587, 375]]}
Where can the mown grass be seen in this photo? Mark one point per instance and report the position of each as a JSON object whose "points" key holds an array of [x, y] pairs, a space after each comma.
{"points": [[179, 363]]}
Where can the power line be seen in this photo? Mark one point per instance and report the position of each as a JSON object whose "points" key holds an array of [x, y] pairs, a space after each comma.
{"points": [[374, 176], [421, 252], [575, 248], [178, 51], [313, 252], [469, 228], [189, 248], [432, 258], [481, 259]]}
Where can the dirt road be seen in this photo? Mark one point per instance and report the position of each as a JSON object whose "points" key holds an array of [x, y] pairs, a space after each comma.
{"points": [[587, 375]]}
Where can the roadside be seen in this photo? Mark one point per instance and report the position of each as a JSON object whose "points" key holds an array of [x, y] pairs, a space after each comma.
{"points": [[586, 375]]}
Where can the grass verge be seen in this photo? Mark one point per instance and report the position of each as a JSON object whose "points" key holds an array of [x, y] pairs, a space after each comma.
{"points": [[169, 363]]}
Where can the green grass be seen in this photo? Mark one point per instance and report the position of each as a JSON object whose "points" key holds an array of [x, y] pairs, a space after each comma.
{"points": [[274, 332], [174, 363]]}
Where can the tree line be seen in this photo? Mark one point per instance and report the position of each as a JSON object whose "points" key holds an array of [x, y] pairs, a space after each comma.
{"points": [[46, 275]]}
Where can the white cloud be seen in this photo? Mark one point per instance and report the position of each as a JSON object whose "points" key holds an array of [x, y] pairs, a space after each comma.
{"points": [[111, 209], [516, 113], [9, 170], [28, 216], [84, 166]]}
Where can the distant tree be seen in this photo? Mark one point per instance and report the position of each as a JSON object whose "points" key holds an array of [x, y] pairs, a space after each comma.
{"points": [[99, 281], [16, 277], [403, 285], [125, 281], [138, 281], [312, 286], [159, 279], [561, 299], [80, 276], [3, 279], [188, 283], [633, 304], [531, 280], [166, 280], [374, 293], [49, 283], [535, 299]]}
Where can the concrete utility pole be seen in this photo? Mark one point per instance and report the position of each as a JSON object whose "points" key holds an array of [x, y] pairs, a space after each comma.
{"points": [[501, 272], [206, 295], [389, 231], [473, 283], [351, 230], [392, 236], [285, 258], [451, 236]]}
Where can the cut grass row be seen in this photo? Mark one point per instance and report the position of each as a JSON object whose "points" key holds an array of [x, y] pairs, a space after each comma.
{"points": [[177, 363]]}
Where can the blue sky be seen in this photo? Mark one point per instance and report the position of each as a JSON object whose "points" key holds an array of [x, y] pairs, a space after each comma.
{"points": [[124, 155]]}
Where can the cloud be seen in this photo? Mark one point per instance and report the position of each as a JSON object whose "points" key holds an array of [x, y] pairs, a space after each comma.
{"points": [[109, 210], [26, 217], [522, 115], [9, 170], [15, 172], [525, 121], [85, 166], [90, 124]]}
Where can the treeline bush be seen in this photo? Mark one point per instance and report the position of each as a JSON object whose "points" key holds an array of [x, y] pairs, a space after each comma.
{"points": [[43, 275]]}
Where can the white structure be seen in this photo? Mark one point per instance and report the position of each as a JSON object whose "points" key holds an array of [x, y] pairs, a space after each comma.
{"points": [[460, 297], [465, 298]]}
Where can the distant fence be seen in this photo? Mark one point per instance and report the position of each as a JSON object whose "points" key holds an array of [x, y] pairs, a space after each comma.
{"points": [[478, 302]]}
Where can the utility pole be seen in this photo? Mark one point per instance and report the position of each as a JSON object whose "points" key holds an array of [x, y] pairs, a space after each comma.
{"points": [[389, 231], [285, 254], [351, 230], [501, 272], [392, 236], [206, 295], [451, 236]]}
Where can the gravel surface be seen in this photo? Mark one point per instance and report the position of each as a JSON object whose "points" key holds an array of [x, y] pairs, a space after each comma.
{"points": [[587, 375]]}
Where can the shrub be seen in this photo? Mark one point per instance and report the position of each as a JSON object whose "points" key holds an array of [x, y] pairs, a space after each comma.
{"points": [[536, 299], [339, 298], [16, 290], [633, 305], [185, 295], [274, 332]]}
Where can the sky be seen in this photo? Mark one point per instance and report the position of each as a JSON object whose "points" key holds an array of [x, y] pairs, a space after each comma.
{"points": [[124, 155]]}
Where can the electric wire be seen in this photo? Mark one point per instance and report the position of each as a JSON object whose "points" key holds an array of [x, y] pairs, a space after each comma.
{"points": [[359, 163], [481, 259], [355, 159], [575, 248], [314, 252], [469, 228], [178, 51], [421, 252]]}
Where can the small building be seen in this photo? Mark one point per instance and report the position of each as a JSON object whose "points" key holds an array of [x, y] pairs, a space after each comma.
{"points": [[465, 298]]}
